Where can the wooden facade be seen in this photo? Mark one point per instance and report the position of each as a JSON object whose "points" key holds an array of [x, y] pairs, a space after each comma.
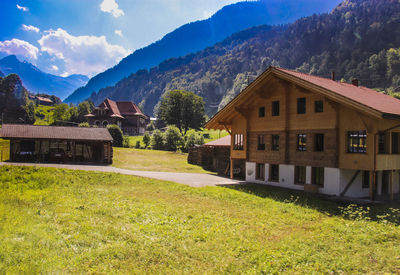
{"points": [[313, 120]]}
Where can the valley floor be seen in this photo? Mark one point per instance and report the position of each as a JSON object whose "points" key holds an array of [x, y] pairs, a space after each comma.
{"points": [[66, 221]]}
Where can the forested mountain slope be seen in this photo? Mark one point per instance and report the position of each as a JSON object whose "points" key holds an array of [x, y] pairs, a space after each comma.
{"points": [[354, 40], [198, 35]]}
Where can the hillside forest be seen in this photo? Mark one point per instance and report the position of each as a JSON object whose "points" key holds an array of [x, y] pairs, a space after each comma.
{"points": [[358, 39]]}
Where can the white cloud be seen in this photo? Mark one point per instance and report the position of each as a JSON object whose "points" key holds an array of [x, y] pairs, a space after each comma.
{"points": [[119, 32], [19, 47], [30, 28], [22, 8], [111, 6], [86, 55], [54, 68]]}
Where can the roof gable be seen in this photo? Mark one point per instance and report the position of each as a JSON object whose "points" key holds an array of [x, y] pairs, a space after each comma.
{"points": [[362, 98]]}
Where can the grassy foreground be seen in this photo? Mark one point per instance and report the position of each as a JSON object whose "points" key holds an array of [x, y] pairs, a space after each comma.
{"points": [[153, 160], [4, 149], [59, 221]]}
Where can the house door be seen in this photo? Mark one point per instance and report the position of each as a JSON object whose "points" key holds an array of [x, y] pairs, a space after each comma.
{"points": [[385, 183]]}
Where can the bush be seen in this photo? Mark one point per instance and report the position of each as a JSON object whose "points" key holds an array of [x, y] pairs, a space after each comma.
{"points": [[126, 142], [146, 140], [116, 134], [190, 142], [157, 140], [84, 124], [193, 139], [173, 139], [137, 145]]}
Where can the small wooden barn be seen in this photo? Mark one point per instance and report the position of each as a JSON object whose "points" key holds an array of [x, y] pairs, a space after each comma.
{"points": [[214, 155], [56, 144]]}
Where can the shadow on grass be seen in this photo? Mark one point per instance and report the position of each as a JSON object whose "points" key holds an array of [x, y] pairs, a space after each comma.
{"points": [[328, 205]]}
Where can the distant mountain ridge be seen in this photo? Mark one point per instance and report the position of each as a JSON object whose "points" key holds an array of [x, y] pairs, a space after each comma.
{"points": [[198, 35], [37, 81], [355, 40]]}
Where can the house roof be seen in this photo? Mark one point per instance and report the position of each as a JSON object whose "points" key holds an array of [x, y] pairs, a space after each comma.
{"points": [[221, 142], [54, 132], [121, 108], [44, 99], [375, 100], [361, 98]]}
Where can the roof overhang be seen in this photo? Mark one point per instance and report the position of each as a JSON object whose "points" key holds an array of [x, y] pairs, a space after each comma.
{"points": [[221, 120]]}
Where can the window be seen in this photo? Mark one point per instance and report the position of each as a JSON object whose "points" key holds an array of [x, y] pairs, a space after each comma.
{"points": [[301, 105], [238, 142], [395, 143], [299, 175], [319, 106], [357, 141], [275, 143], [365, 179], [274, 172], [105, 123], [261, 142], [381, 143], [317, 176], [301, 142], [275, 108], [319, 142], [260, 171], [261, 112]]}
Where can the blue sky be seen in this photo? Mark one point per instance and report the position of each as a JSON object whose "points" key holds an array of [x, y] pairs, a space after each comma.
{"points": [[66, 37]]}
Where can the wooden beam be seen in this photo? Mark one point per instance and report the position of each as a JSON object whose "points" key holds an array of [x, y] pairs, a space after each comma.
{"points": [[391, 185], [231, 175], [225, 126], [350, 183]]}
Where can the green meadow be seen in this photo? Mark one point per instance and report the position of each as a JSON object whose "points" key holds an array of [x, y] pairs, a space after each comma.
{"points": [[62, 221]]}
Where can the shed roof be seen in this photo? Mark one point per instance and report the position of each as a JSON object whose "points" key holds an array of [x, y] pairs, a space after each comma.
{"points": [[54, 132], [221, 142]]}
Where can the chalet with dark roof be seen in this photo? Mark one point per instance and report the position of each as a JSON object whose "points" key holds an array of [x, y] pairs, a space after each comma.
{"points": [[125, 114], [303, 132]]}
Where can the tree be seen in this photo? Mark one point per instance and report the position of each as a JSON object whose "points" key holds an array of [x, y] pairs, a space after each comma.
{"points": [[146, 140], [157, 140], [61, 113], [183, 109], [173, 139], [84, 108], [116, 134]]}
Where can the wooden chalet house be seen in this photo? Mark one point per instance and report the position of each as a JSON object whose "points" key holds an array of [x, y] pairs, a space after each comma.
{"points": [[304, 132], [125, 114]]}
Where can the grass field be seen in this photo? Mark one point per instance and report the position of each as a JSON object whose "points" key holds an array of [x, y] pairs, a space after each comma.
{"points": [[153, 160], [4, 149], [59, 221]]}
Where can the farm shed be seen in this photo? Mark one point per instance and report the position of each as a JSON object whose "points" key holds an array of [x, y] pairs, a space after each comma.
{"points": [[213, 155], [30, 143]]}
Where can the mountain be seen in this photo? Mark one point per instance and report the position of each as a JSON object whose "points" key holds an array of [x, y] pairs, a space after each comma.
{"points": [[198, 35], [359, 38], [1, 74], [39, 82]]}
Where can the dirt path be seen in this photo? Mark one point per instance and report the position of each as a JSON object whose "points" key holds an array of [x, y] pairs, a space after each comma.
{"points": [[191, 179]]}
